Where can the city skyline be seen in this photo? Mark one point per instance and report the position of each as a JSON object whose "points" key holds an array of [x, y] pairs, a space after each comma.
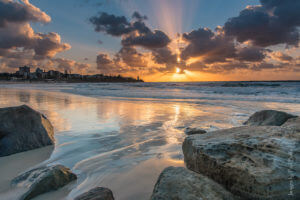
{"points": [[157, 40]]}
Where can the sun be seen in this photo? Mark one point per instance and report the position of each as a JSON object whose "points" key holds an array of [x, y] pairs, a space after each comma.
{"points": [[178, 70]]}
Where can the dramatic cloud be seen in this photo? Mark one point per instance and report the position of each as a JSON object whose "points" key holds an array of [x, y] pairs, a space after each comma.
{"points": [[274, 22], [16, 12], [21, 45], [211, 46], [131, 57], [245, 42], [151, 40], [134, 33], [111, 24], [164, 56], [251, 54]]}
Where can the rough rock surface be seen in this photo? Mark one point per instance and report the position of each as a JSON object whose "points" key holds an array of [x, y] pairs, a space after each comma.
{"points": [[293, 123], [22, 129], [268, 118], [98, 193], [254, 162], [182, 184], [44, 179], [193, 131]]}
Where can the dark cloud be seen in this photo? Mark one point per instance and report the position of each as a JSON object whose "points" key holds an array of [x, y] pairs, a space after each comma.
{"points": [[131, 57], [251, 54], [164, 56], [111, 24], [209, 45], [274, 22], [138, 16], [135, 33], [217, 67], [150, 40], [20, 12]]}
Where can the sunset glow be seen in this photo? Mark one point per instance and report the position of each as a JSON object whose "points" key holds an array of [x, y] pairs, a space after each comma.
{"points": [[153, 39]]}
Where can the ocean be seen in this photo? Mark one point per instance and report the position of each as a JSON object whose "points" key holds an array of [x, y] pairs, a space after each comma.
{"points": [[122, 135]]}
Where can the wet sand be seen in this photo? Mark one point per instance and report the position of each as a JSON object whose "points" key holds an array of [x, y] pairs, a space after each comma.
{"points": [[11, 166]]}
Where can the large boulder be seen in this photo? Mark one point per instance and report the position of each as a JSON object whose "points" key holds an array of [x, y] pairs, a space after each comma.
{"points": [[23, 129], [98, 193], [254, 162], [268, 118], [182, 184], [43, 179]]}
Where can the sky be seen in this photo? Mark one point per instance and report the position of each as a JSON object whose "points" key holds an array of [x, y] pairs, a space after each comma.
{"points": [[157, 40]]}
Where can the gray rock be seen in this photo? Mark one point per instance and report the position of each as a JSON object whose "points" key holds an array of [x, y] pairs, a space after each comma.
{"points": [[293, 123], [254, 162], [98, 193], [268, 118], [193, 131], [44, 179], [23, 129], [182, 184]]}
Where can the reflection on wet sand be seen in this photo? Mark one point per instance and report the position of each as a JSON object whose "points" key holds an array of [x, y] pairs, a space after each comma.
{"points": [[116, 142]]}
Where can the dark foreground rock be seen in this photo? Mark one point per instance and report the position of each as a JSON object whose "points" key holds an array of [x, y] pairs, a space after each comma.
{"points": [[182, 184], [254, 162], [268, 118], [44, 179], [98, 193], [193, 131], [23, 129]]}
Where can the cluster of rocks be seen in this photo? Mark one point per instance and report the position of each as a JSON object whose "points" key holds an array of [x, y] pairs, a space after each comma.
{"points": [[257, 161], [23, 129]]}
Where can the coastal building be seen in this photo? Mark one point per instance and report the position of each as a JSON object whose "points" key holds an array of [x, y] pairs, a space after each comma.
{"points": [[24, 72]]}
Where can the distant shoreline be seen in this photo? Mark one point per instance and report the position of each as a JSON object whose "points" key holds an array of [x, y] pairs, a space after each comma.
{"points": [[81, 81]]}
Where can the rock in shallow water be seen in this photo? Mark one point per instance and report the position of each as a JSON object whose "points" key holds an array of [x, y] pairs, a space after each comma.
{"points": [[259, 162], [44, 179], [23, 129], [98, 193], [182, 184], [268, 118], [193, 131]]}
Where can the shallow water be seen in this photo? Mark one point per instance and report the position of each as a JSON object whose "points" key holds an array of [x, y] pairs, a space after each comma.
{"points": [[124, 143]]}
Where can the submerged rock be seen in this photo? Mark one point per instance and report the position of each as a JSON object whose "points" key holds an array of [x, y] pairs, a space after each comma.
{"points": [[44, 179], [23, 129], [254, 162], [182, 184], [193, 131], [98, 193], [268, 118]]}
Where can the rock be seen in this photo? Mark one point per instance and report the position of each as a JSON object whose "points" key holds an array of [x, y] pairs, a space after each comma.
{"points": [[23, 129], [193, 131], [182, 184], [293, 123], [268, 118], [254, 162], [98, 193], [44, 179]]}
